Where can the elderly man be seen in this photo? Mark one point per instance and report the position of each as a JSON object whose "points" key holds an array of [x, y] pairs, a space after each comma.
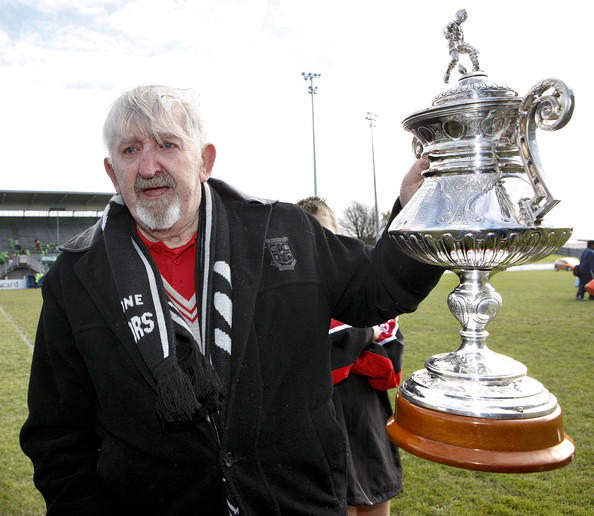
{"points": [[182, 362]]}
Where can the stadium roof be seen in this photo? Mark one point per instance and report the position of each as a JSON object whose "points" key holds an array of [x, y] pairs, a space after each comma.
{"points": [[22, 200]]}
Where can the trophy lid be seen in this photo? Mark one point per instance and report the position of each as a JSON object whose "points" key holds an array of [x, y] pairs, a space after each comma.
{"points": [[474, 86]]}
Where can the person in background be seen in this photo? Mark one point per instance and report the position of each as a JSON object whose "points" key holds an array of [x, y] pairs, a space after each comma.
{"points": [[586, 269], [366, 362], [182, 361]]}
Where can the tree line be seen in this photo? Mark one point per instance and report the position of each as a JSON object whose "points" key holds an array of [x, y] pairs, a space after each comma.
{"points": [[359, 221]]}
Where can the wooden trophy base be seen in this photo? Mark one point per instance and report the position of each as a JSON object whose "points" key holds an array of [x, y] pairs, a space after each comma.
{"points": [[495, 445]]}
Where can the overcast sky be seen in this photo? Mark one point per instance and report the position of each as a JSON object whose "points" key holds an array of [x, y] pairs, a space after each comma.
{"points": [[62, 63]]}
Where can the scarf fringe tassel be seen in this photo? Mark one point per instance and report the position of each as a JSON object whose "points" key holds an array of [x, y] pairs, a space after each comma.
{"points": [[183, 398]]}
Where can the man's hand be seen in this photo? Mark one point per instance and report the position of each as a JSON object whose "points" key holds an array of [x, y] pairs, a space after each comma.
{"points": [[413, 180]]}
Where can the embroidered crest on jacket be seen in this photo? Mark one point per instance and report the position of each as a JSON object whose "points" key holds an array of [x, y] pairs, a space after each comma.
{"points": [[282, 256]]}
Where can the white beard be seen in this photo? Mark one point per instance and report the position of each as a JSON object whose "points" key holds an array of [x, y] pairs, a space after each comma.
{"points": [[159, 215]]}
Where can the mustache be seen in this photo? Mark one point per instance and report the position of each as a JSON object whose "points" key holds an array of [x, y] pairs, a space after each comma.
{"points": [[157, 181]]}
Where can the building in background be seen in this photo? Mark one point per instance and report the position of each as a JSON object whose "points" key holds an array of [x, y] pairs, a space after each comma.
{"points": [[34, 224]]}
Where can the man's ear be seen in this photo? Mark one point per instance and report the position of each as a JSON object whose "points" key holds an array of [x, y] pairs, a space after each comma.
{"points": [[209, 154], [111, 173]]}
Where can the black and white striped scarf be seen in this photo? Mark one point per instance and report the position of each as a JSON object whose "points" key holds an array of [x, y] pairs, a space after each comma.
{"points": [[189, 376]]}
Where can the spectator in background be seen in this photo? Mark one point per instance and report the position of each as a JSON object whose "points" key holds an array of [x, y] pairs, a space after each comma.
{"points": [[366, 362], [586, 269]]}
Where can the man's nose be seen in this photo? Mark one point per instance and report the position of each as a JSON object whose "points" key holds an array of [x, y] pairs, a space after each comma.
{"points": [[149, 162]]}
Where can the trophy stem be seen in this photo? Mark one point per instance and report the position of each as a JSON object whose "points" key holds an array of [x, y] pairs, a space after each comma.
{"points": [[474, 303]]}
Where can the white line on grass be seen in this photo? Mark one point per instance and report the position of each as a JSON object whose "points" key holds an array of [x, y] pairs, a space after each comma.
{"points": [[18, 328]]}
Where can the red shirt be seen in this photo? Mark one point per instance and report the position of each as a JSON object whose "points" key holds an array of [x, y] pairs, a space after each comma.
{"points": [[177, 265]]}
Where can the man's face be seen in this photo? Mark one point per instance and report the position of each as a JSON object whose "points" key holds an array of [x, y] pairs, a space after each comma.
{"points": [[160, 182]]}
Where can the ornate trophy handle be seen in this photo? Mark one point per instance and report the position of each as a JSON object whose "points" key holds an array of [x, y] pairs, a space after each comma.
{"points": [[549, 112]]}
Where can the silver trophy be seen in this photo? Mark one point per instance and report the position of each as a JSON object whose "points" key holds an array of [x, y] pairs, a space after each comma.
{"points": [[479, 211]]}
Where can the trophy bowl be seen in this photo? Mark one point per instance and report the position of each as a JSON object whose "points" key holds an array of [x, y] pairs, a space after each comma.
{"points": [[480, 210]]}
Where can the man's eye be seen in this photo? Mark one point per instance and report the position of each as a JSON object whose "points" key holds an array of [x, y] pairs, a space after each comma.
{"points": [[129, 150], [168, 145]]}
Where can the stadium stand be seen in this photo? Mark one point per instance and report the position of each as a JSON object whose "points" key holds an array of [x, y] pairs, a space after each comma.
{"points": [[34, 224]]}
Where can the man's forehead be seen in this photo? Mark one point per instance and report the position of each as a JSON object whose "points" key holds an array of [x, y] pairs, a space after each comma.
{"points": [[139, 126], [133, 132]]}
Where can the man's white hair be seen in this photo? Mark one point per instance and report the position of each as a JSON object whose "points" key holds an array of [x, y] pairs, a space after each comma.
{"points": [[149, 110]]}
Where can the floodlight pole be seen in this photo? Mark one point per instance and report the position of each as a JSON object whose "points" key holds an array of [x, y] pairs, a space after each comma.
{"points": [[312, 91], [371, 117]]}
